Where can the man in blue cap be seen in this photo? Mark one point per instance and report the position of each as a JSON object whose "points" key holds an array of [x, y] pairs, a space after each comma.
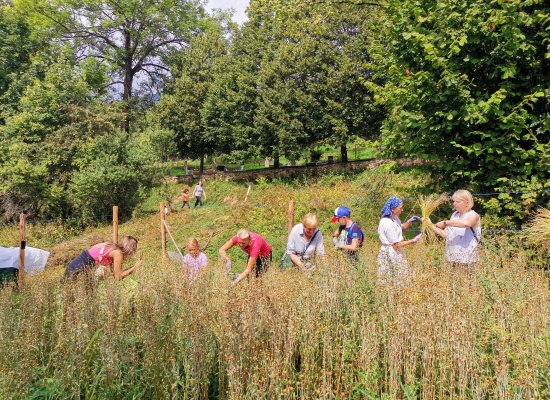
{"points": [[348, 236]]}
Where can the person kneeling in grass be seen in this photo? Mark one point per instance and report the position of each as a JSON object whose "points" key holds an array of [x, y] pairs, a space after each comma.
{"points": [[258, 250], [195, 261]]}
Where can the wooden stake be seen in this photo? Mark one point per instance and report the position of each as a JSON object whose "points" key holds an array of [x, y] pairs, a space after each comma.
{"points": [[115, 224], [22, 245], [290, 216], [247, 193], [163, 229]]}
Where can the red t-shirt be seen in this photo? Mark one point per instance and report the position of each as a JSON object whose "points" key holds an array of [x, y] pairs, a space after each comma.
{"points": [[258, 247]]}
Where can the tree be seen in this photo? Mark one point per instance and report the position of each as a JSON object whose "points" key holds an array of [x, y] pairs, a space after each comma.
{"points": [[468, 90], [16, 48], [181, 105], [295, 80], [129, 37]]}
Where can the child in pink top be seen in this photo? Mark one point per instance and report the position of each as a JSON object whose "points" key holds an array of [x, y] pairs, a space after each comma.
{"points": [[195, 260], [258, 250]]}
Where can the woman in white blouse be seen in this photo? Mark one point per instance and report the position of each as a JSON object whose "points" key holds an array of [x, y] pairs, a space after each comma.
{"points": [[391, 259], [462, 232]]}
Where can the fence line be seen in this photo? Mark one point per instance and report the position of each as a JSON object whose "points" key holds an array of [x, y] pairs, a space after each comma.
{"points": [[328, 229], [67, 219], [355, 200], [69, 240]]}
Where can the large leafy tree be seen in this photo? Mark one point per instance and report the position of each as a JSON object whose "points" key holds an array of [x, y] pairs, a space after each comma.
{"points": [[468, 89], [294, 80], [180, 107], [132, 39], [17, 46]]}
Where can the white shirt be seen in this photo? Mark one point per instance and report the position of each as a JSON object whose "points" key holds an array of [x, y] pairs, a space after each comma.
{"points": [[297, 243], [390, 232], [461, 245]]}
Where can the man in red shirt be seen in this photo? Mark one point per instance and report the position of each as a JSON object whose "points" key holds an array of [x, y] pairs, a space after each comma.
{"points": [[258, 250]]}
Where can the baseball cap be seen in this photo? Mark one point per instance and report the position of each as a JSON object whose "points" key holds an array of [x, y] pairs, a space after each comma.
{"points": [[341, 211]]}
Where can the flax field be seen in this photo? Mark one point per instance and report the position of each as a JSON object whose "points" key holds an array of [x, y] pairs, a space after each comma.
{"points": [[438, 333]]}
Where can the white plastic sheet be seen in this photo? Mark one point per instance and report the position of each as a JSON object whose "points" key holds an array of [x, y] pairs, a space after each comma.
{"points": [[35, 259]]}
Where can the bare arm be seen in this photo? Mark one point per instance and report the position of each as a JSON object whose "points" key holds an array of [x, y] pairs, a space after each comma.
{"points": [[118, 261], [296, 260], [470, 222], [247, 271], [403, 243], [224, 248], [352, 246], [204, 192]]}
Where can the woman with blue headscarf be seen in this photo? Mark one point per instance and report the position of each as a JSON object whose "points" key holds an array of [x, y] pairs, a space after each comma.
{"points": [[391, 259]]}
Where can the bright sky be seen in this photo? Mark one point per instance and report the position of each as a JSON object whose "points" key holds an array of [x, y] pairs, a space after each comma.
{"points": [[238, 5]]}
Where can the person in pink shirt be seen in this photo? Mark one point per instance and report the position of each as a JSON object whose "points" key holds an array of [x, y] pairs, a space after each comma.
{"points": [[258, 250], [195, 261], [103, 255]]}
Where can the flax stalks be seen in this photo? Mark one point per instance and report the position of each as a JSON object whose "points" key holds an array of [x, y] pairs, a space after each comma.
{"points": [[539, 231], [428, 204]]}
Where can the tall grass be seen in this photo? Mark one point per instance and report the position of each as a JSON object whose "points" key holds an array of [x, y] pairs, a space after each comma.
{"points": [[441, 334]]}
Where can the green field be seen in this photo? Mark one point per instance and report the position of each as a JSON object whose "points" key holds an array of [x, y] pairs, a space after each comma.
{"points": [[340, 334]]}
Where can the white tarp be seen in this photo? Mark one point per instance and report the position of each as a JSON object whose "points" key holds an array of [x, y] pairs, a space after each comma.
{"points": [[35, 259]]}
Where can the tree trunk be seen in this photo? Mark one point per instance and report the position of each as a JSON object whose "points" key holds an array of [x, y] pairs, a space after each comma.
{"points": [[343, 153], [201, 169], [276, 163], [127, 98]]}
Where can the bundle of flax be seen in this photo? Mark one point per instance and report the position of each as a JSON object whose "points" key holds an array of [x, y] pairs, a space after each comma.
{"points": [[428, 205], [539, 231]]}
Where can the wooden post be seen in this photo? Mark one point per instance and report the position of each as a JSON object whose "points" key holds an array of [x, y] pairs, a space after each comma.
{"points": [[290, 216], [247, 193], [163, 229], [115, 224], [22, 245]]}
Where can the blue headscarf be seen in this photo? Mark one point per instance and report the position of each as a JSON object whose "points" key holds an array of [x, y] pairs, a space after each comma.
{"points": [[392, 202]]}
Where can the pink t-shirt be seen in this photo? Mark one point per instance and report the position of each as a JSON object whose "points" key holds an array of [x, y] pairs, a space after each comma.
{"points": [[94, 253], [194, 265], [258, 247]]}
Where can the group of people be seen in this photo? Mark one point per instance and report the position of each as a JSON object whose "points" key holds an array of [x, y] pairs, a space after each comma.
{"points": [[305, 244], [198, 192]]}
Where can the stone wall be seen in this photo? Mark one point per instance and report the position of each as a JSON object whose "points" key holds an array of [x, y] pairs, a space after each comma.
{"points": [[252, 175]]}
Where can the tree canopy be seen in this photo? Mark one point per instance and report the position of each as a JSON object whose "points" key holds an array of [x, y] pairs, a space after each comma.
{"points": [[468, 89]]}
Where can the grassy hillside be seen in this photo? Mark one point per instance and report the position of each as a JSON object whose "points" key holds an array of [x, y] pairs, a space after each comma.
{"points": [[339, 334]]}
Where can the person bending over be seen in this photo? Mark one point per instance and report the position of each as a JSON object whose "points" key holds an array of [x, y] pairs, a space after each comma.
{"points": [[305, 242], [102, 255], [258, 250]]}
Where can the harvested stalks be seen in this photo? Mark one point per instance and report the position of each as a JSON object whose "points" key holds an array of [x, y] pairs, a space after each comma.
{"points": [[539, 231], [428, 204]]}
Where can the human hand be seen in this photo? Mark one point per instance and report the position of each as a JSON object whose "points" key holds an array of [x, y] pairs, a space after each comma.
{"points": [[417, 238], [412, 219], [228, 265]]}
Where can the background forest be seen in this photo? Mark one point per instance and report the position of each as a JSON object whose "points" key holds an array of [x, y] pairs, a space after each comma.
{"points": [[95, 93]]}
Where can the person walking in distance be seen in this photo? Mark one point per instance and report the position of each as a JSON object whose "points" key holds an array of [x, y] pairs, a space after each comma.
{"points": [[186, 198], [198, 192]]}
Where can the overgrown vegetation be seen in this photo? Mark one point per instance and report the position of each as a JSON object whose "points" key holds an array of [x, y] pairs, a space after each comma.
{"points": [[336, 335]]}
